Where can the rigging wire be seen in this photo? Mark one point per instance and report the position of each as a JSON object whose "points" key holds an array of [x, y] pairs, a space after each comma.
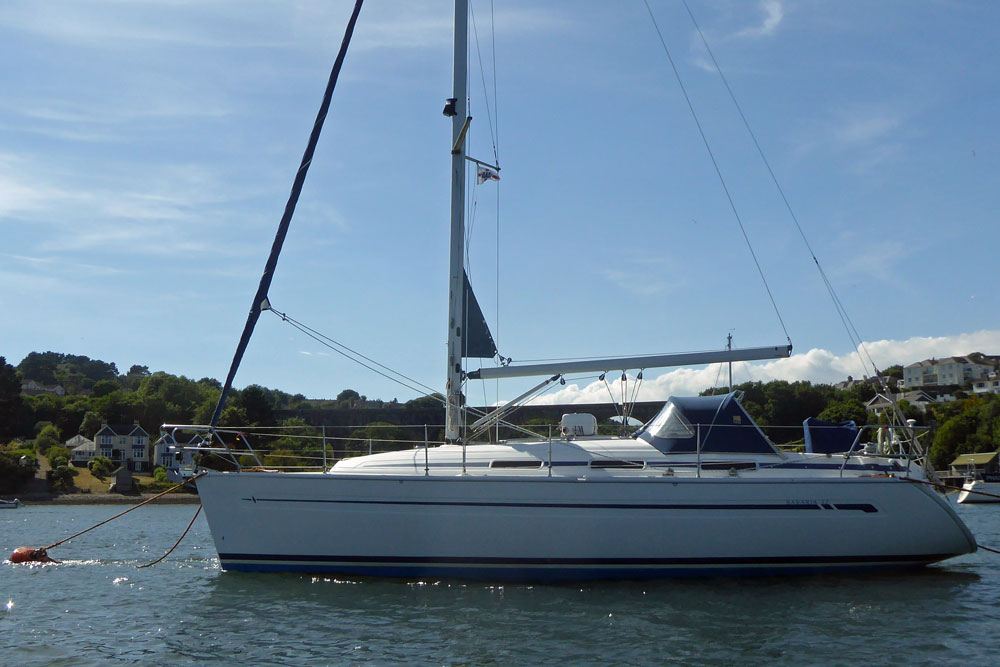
{"points": [[330, 343], [718, 170], [855, 337], [340, 348], [482, 75]]}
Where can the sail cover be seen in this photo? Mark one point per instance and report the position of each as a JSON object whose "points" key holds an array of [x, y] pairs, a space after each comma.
{"points": [[719, 421], [829, 437], [478, 341]]}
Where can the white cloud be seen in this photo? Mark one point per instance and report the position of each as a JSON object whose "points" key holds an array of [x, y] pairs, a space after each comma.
{"points": [[816, 365], [865, 128], [773, 15]]}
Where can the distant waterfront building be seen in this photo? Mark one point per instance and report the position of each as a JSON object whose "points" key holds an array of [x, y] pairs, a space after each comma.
{"points": [[83, 449], [986, 463], [950, 371], [126, 445]]}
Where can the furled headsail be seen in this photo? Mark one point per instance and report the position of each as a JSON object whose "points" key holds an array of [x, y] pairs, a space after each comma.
{"points": [[478, 341]]}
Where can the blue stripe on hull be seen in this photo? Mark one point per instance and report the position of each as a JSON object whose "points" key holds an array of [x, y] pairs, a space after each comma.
{"points": [[578, 570], [549, 575]]}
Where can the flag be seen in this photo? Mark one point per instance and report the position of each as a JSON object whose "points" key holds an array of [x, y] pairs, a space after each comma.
{"points": [[486, 174]]}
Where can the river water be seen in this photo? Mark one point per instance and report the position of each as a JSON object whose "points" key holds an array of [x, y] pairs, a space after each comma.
{"points": [[98, 608]]}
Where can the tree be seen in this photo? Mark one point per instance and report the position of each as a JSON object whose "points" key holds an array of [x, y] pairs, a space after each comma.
{"points": [[57, 452], [47, 438], [61, 478], [101, 466], [258, 404], [90, 425], [11, 404], [16, 468]]}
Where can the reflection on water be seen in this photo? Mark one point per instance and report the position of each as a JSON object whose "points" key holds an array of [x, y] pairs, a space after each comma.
{"points": [[98, 607]]}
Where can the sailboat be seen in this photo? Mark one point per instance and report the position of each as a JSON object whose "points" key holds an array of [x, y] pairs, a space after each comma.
{"points": [[697, 490]]}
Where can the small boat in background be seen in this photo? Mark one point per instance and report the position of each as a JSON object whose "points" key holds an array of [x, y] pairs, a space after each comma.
{"points": [[10, 504], [976, 487]]}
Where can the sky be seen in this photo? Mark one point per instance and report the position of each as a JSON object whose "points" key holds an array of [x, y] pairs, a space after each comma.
{"points": [[147, 148]]}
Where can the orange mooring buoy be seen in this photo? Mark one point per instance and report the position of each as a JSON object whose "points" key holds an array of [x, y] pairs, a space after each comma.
{"points": [[29, 555]]}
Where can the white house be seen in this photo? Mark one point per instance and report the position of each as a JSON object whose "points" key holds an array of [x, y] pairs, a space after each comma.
{"points": [[170, 450], [987, 385], [126, 445], [950, 371], [84, 449]]}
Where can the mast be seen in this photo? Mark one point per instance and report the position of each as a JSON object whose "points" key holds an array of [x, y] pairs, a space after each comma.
{"points": [[456, 273]]}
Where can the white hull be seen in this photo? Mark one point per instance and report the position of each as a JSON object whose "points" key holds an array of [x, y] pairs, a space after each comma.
{"points": [[551, 528], [10, 504], [972, 489]]}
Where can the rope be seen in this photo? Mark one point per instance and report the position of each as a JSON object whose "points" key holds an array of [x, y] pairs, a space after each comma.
{"points": [[849, 327], [953, 488], [134, 507], [718, 172], [183, 535]]}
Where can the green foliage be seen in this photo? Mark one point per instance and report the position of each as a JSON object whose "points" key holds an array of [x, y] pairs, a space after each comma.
{"points": [[90, 424], [56, 452], [434, 400], [11, 404], [101, 466], [348, 395], [61, 478], [48, 437], [160, 474], [77, 374], [845, 409], [967, 426], [104, 387], [13, 473], [282, 458], [258, 404], [383, 435]]}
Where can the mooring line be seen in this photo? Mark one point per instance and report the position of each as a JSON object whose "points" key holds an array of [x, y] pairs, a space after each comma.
{"points": [[953, 488], [183, 535], [120, 514]]}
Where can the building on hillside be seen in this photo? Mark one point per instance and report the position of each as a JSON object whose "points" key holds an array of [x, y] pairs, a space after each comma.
{"points": [[170, 446], [918, 399], [950, 371], [127, 445], [33, 388], [83, 449], [851, 382], [986, 463], [987, 385]]}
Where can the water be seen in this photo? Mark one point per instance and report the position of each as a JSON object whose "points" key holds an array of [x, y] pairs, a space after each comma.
{"points": [[98, 608]]}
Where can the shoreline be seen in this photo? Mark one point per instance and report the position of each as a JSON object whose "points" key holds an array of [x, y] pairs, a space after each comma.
{"points": [[111, 499]]}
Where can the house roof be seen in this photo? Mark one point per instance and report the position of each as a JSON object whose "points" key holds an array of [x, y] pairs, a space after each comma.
{"points": [[121, 429], [974, 459]]}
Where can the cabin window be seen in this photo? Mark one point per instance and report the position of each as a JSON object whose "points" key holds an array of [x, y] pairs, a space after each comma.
{"points": [[671, 423], [604, 465], [523, 463]]}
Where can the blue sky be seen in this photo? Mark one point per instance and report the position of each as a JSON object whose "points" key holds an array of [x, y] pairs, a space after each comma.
{"points": [[147, 149]]}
